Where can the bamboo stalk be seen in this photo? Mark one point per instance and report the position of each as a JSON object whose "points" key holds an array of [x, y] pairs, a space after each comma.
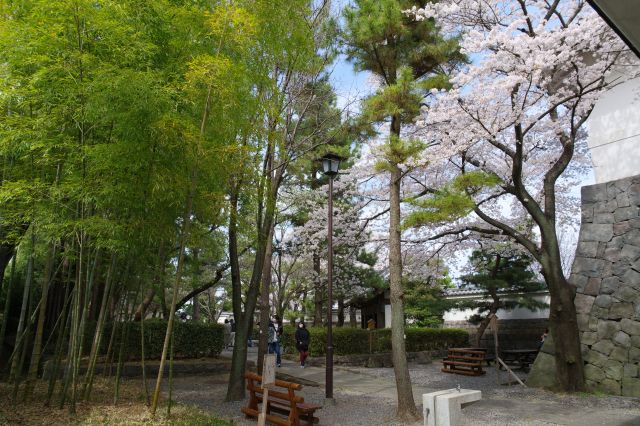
{"points": [[7, 302], [23, 309], [37, 344], [97, 339]]}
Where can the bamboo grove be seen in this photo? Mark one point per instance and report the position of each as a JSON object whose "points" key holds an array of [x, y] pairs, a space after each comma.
{"points": [[142, 143]]}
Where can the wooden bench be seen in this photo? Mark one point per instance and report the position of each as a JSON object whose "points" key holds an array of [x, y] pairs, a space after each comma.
{"points": [[464, 361], [281, 400]]}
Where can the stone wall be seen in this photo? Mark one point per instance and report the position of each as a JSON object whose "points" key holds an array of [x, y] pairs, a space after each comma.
{"points": [[606, 272]]}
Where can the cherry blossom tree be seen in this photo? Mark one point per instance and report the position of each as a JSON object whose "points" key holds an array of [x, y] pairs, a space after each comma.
{"points": [[511, 133]]}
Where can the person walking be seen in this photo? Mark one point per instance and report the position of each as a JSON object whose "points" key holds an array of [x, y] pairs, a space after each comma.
{"points": [[232, 332], [274, 342], [227, 333], [303, 338]]}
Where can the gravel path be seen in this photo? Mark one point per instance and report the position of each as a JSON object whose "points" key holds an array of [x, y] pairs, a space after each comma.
{"points": [[500, 405]]}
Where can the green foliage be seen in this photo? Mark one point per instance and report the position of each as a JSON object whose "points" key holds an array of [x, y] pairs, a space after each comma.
{"points": [[425, 303], [348, 341], [450, 203], [192, 340], [506, 279]]}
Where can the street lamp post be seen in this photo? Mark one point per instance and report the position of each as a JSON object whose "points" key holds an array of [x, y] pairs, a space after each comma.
{"points": [[330, 166]]}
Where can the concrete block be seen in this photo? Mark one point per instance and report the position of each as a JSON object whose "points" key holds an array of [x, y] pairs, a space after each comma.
{"points": [[444, 408]]}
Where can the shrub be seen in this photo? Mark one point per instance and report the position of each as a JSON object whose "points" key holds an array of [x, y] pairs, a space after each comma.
{"points": [[357, 340], [191, 340]]}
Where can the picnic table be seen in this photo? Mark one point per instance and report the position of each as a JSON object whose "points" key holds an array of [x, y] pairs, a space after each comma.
{"points": [[521, 357], [464, 361]]}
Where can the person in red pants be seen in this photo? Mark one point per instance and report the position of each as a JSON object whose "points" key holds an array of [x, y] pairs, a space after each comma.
{"points": [[302, 342]]}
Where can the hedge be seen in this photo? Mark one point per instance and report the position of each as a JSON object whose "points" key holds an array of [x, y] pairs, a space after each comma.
{"points": [[191, 340], [348, 341]]}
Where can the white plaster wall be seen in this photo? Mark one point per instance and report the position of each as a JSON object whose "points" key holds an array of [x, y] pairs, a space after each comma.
{"points": [[387, 316], [517, 313], [614, 132]]}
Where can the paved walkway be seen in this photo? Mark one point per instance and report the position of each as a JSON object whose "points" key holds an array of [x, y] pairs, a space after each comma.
{"points": [[498, 406], [344, 379]]}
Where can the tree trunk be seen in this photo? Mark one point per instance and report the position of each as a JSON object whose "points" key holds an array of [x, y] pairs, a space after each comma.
{"points": [[264, 302], [340, 311], [406, 405], [353, 323], [563, 326]]}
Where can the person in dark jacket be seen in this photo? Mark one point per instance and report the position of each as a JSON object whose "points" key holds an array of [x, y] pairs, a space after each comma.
{"points": [[303, 339]]}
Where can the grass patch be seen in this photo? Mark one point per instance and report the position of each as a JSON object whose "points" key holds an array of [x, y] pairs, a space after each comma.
{"points": [[131, 409]]}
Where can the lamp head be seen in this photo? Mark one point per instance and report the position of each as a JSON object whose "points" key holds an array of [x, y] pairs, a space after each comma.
{"points": [[331, 164]]}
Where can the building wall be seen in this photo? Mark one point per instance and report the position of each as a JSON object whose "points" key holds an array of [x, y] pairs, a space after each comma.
{"points": [[515, 314], [614, 132]]}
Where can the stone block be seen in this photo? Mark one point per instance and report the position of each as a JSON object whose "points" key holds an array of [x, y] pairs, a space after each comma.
{"points": [[609, 285], [589, 338], [635, 341], [583, 303], [594, 193], [632, 278], [603, 301], [633, 236], [603, 346], [612, 254], [625, 213], [634, 355], [607, 329], [619, 354], [630, 370], [619, 269], [608, 206], [622, 227], [598, 312], [596, 232], [580, 281], [593, 373], [589, 267], [602, 247], [622, 339], [630, 327], [593, 287], [621, 310], [603, 218], [627, 294], [543, 372], [593, 323], [587, 248], [630, 252], [631, 386], [636, 314], [583, 322], [609, 386], [622, 200], [613, 370], [596, 358]]}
